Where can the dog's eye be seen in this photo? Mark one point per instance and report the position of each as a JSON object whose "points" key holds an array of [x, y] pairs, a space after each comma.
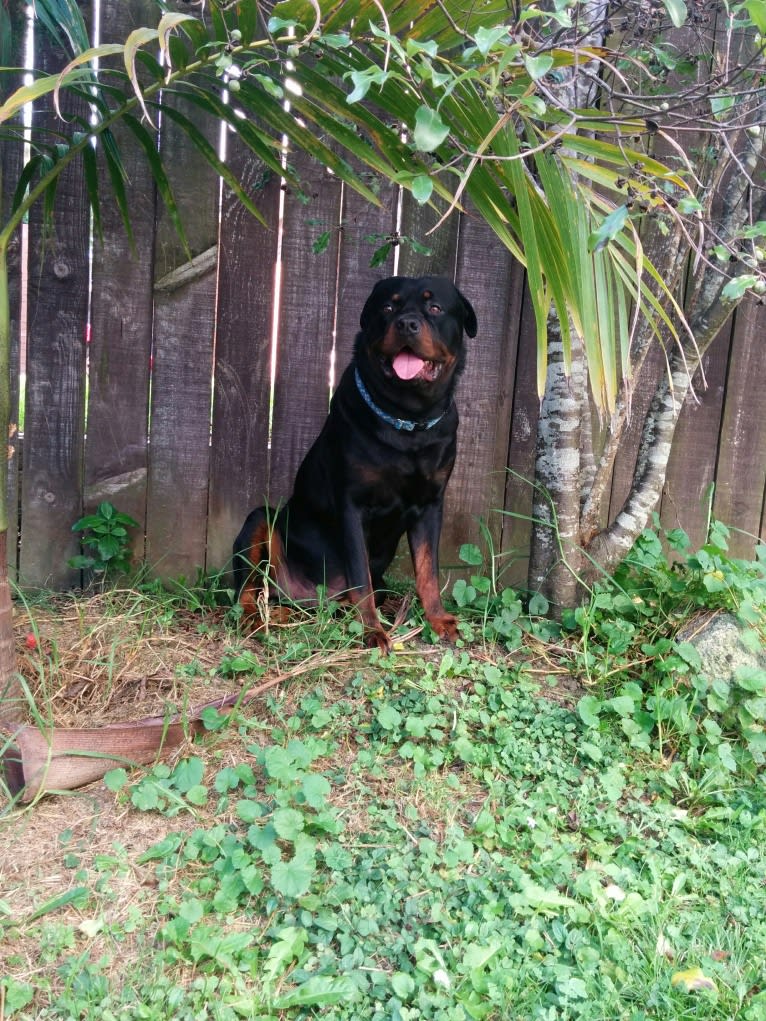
{"points": [[434, 309], [388, 307]]}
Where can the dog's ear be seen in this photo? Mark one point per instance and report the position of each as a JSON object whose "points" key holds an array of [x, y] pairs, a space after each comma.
{"points": [[469, 323]]}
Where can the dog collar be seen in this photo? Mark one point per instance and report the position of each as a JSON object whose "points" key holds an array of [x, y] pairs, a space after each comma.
{"points": [[402, 424]]}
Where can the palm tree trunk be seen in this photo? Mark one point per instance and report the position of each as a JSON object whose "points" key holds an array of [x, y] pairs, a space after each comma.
{"points": [[555, 557]]}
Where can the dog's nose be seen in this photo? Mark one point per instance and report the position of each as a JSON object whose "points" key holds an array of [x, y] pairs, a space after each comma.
{"points": [[409, 325]]}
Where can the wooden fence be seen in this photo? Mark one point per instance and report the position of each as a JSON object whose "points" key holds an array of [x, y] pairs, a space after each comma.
{"points": [[149, 377]]}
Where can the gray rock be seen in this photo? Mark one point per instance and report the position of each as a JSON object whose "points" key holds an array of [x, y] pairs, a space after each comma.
{"points": [[724, 645]]}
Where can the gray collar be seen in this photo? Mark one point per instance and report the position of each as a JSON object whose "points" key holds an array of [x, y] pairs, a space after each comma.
{"points": [[398, 423]]}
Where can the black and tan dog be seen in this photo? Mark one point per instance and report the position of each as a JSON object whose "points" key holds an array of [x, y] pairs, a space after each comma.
{"points": [[378, 468]]}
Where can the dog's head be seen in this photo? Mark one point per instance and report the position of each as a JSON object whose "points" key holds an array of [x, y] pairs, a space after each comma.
{"points": [[411, 341]]}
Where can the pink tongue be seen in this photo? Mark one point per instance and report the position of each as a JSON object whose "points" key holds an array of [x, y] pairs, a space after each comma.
{"points": [[407, 365]]}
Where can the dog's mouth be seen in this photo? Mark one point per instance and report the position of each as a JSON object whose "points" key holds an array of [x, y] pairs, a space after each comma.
{"points": [[408, 366]]}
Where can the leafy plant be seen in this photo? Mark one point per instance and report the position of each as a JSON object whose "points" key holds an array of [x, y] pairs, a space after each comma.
{"points": [[495, 611], [106, 533], [651, 680], [422, 837]]}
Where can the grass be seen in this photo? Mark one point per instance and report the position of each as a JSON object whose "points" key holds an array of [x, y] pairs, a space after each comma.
{"points": [[481, 832]]}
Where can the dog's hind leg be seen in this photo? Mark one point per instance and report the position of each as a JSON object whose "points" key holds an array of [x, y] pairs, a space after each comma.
{"points": [[258, 552]]}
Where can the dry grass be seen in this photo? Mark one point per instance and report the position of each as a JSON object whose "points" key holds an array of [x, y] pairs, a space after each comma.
{"points": [[116, 657], [103, 660]]}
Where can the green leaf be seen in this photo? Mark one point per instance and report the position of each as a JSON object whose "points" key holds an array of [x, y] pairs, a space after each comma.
{"points": [[623, 705], [288, 823], [248, 811], [689, 205], [77, 895], [727, 758], [380, 255], [609, 228], [316, 789], [486, 38], [81, 562], [148, 144], [690, 654], [89, 521], [422, 188], [757, 11], [403, 985], [389, 718], [737, 286], [593, 751], [279, 24], [289, 946], [676, 12], [293, 878], [162, 850], [751, 679], [538, 67], [197, 795], [117, 177], [16, 995], [470, 554], [477, 955], [721, 104], [338, 41], [211, 155], [362, 82], [430, 130], [116, 779], [589, 708], [92, 180], [318, 991], [279, 764]]}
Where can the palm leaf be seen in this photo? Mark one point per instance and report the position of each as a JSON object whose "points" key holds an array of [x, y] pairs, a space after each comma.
{"points": [[90, 173], [148, 143], [208, 152], [267, 149], [63, 21], [118, 178]]}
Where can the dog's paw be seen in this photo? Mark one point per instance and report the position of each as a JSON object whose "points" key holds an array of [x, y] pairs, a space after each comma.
{"points": [[445, 626], [376, 638]]}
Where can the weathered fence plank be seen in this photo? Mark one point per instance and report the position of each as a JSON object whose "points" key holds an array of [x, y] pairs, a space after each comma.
{"points": [[239, 450], [691, 468], [360, 221], [116, 452], [10, 168], [493, 282], [306, 319], [418, 222], [182, 359], [522, 440], [52, 496], [741, 467]]}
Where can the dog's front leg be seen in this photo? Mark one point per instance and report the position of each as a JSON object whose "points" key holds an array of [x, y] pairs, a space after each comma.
{"points": [[359, 580], [423, 537]]}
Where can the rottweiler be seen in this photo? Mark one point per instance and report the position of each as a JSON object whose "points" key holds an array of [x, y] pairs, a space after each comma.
{"points": [[378, 468]]}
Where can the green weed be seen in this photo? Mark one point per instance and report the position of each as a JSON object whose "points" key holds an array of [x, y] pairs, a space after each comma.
{"points": [[646, 678], [426, 835], [105, 534]]}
